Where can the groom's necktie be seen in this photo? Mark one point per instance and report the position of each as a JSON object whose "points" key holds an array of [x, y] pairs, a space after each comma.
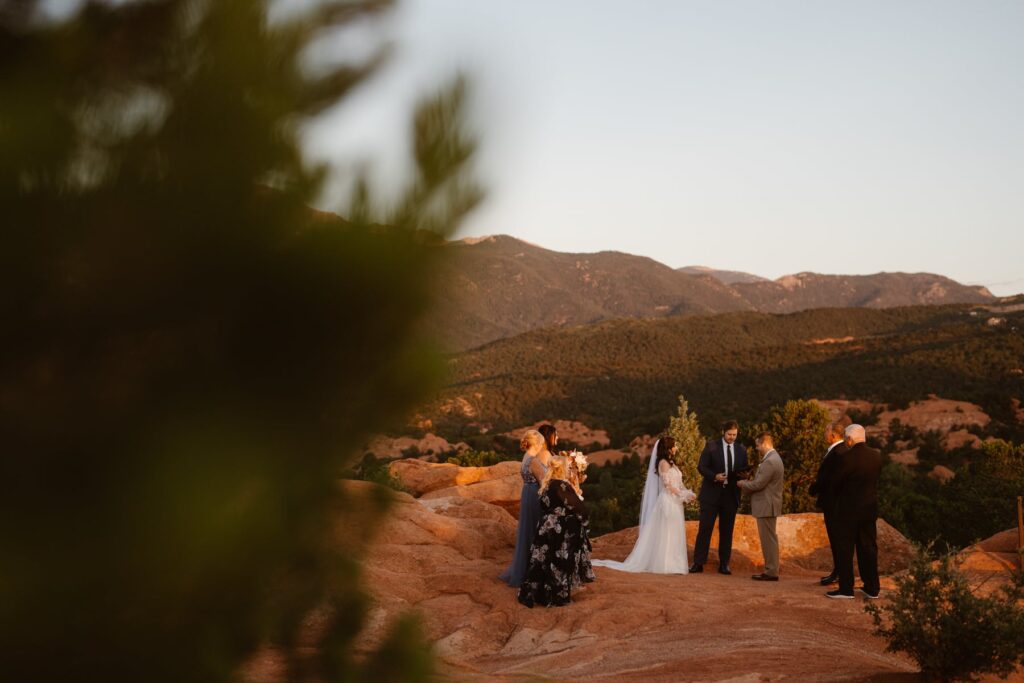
{"points": [[731, 465]]}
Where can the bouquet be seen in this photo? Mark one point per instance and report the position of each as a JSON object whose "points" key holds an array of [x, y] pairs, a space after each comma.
{"points": [[578, 466], [577, 460]]}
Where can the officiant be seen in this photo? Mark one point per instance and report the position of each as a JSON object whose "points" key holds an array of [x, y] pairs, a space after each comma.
{"points": [[766, 503]]}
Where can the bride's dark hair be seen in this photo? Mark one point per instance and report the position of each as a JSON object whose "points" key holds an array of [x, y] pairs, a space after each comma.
{"points": [[664, 450], [549, 432]]}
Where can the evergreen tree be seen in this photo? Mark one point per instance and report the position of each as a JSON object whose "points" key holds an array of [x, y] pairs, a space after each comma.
{"points": [[798, 427], [685, 429]]}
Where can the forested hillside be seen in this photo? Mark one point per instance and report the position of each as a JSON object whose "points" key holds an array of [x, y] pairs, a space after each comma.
{"points": [[625, 375]]}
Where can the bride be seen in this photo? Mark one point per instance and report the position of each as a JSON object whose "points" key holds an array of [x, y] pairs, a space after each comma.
{"points": [[661, 545]]}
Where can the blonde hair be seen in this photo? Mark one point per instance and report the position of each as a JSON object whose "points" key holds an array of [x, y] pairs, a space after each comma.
{"points": [[531, 439], [558, 468]]}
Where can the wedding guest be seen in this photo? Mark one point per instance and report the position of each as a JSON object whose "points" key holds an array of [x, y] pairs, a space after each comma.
{"points": [[533, 470], [766, 503], [855, 488], [822, 488], [577, 475], [554, 556]]}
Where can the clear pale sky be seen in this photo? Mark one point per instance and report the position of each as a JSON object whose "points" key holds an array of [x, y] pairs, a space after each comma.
{"points": [[766, 136]]}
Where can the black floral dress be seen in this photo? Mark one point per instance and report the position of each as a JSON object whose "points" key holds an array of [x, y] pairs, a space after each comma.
{"points": [[556, 555], [584, 570]]}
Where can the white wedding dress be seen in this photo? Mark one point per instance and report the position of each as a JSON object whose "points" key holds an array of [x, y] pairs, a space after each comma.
{"points": [[661, 545]]}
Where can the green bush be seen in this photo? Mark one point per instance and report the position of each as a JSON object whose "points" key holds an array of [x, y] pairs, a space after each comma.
{"points": [[376, 470], [953, 632], [798, 427]]}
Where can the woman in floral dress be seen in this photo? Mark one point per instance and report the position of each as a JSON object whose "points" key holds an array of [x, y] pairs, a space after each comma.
{"points": [[559, 542], [577, 475]]}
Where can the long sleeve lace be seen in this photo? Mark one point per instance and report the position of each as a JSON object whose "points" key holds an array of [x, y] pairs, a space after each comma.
{"points": [[664, 471], [669, 482]]}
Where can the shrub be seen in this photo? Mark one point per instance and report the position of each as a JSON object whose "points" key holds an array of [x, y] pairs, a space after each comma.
{"points": [[953, 632], [376, 470]]}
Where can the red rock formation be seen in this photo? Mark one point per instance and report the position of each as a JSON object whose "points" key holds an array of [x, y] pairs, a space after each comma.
{"points": [[960, 437], [395, 447], [907, 458], [499, 484], [990, 561], [837, 408], [599, 458], [934, 413], [441, 559], [939, 414], [576, 432]]}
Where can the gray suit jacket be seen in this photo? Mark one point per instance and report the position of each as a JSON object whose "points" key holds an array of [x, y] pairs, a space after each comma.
{"points": [[766, 487]]}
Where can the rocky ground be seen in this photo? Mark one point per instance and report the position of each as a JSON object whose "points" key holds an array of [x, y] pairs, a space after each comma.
{"points": [[440, 558]]}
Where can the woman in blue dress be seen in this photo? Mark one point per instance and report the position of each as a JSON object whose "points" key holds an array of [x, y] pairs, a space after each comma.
{"points": [[533, 470]]}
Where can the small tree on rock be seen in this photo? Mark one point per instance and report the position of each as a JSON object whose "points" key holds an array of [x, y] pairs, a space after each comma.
{"points": [[685, 429]]}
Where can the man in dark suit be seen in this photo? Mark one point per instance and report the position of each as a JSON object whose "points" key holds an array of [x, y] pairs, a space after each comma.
{"points": [[822, 488], [719, 496], [855, 488]]}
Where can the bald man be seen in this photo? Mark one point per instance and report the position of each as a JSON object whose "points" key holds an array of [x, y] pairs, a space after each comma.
{"points": [[855, 492]]}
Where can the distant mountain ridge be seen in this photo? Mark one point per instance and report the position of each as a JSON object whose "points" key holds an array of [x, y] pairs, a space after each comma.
{"points": [[729, 277], [497, 287]]}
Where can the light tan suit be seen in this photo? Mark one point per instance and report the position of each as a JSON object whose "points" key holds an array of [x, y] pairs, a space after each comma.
{"points": [[766, 506]]}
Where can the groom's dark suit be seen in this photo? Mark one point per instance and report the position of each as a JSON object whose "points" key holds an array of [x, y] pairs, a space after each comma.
{"points": [[718, 501]]}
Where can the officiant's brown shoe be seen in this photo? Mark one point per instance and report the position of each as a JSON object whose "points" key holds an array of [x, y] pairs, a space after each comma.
{"points": [[764, 577]]}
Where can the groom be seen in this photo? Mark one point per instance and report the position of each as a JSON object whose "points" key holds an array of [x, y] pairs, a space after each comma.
{"points": [[719, 496]]}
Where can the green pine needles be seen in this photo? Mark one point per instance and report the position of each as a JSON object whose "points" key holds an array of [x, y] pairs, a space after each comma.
{"points": [[952, 629]]}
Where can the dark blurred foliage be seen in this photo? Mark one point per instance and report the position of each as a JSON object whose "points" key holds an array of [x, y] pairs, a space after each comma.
{"points": [[189, 354]]}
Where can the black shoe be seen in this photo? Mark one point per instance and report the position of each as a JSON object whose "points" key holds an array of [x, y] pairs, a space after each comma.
{"points": [[696, 569], [830, 579], [838, 595], [867, 595], [724, 570], [764, 577]]}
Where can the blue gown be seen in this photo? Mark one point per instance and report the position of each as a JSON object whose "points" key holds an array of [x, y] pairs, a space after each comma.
{"points": [[529, 517]]}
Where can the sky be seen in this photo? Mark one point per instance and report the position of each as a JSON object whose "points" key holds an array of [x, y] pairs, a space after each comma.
{"points": [[771, 137]]}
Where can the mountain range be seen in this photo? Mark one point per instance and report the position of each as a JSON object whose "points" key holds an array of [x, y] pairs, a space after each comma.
{"points": [[496, 287]]}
